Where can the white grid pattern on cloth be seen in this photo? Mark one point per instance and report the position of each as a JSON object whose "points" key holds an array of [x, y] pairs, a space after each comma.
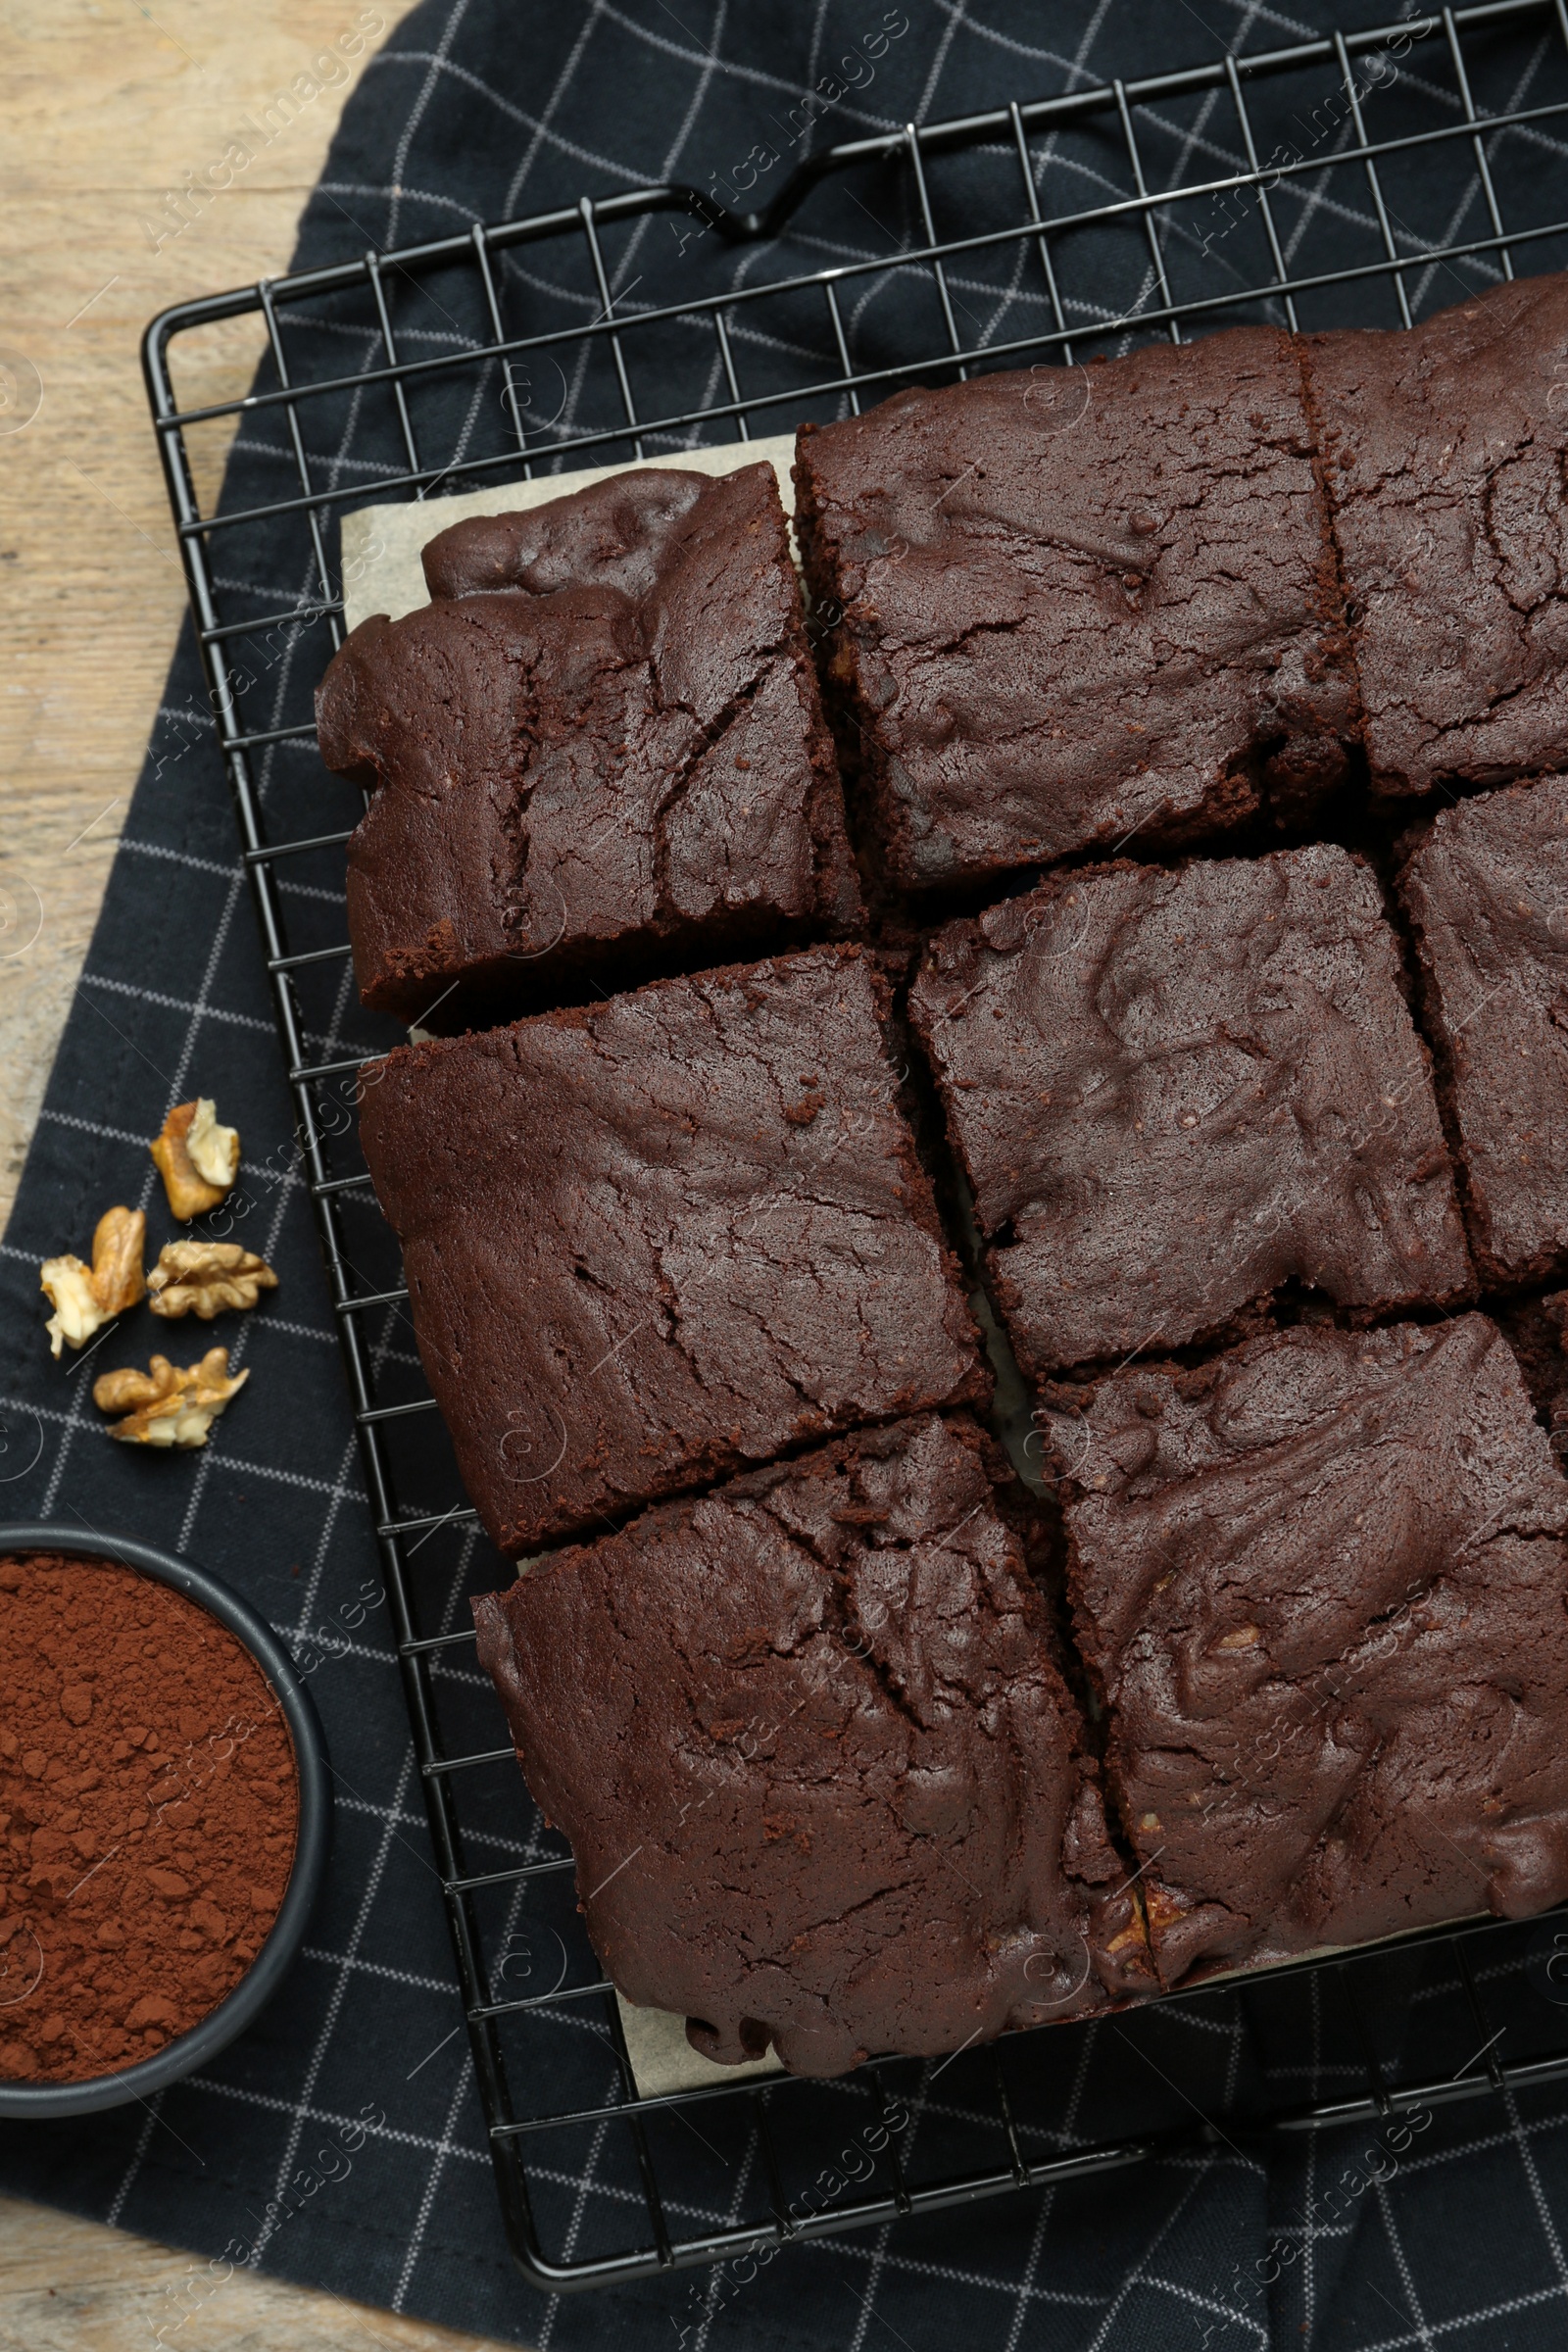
{"points": [[445, 2149], [882, 2257], [1312, 198], [197, 1012], [334, 2007], [238, 1465]]}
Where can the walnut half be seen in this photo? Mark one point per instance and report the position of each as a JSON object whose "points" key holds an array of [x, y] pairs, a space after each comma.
{"points": [[197, 1160], [170, 1406], [85, 1298], [201, 1278]]}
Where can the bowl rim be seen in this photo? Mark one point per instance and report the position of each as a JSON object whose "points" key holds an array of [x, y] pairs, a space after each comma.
{"points": [[220, 2026]]}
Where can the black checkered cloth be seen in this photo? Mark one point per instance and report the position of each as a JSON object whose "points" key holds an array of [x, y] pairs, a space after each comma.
{"points": [[1448, 2233]]}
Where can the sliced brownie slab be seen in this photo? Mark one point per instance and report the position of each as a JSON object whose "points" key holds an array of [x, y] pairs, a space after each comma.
{"points": [[597, 752], [1443, 452], [650, 1242], [1323, 1587], [1487, 893], [1174, 1092], [825, 1784], [1078, 605]]}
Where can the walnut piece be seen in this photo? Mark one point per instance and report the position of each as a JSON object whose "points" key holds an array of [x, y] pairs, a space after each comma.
{"points": [[197, 1160], [201, 1278], [85, 1298], [170, 1406]]}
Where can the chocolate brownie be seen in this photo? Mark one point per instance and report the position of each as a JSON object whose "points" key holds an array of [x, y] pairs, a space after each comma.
{"points": [[598, 752], [1443, 452], [1174, 1092], [1074, 612], [1321, 1582], [823, 1781], [651, 1241], [1487, 894], [1535, 1328]]}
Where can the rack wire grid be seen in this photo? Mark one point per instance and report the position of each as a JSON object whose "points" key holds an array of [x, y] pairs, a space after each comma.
{"points": [[1417, 146]]}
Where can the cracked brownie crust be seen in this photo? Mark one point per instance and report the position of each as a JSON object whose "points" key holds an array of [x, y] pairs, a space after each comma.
{"points": [[1487, 894], [598, 750], [1321, 1584], [824, 1781], [1443, 452], [1073, 611], [656, 1239], [1173, 1092]]}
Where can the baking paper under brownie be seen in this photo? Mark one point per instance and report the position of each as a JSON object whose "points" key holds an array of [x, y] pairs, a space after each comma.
{"points": [[1487, 893], [1323, 1587], [650, 1242], [824, 1785], [1075, 605], [1443, 450], [598, 752], [1174, 1093]]}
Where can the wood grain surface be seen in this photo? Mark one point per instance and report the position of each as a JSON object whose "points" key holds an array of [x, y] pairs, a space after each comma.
{"points": [[105, 106], [70, 2287]]}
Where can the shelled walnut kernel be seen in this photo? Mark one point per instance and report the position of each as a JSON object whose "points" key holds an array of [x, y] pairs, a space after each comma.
{"points": [[201, 1278], [197, 1158], [85, 1298], [170, 1406]]}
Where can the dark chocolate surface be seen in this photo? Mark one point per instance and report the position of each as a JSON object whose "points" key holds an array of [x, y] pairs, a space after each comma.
{"points": [[1079, 604], [1322, 1585], [1536, 1327], [1487, 894], [1173, 1092], [650, 1241], [1443, 452], [599, 747], [825, 1784]]}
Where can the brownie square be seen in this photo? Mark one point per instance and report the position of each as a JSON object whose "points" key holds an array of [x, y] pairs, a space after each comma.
{"points": [[824, 1783], [1321, 1584], [598, 753], [1486, 894], [1174, 1092], [1443, 452], [1075, 608], [652, 1240]]}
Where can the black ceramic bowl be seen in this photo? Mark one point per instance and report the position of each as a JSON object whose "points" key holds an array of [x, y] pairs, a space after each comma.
{"points": [[267, 1971]]}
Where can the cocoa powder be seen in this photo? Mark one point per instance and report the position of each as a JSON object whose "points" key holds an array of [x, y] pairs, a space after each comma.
{"points": [[148, 1811]]}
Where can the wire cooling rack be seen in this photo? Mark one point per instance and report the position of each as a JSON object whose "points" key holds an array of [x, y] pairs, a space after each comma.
{"points": [[1420, 146]]}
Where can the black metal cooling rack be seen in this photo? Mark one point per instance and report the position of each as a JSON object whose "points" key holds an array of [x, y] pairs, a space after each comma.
{"points": [[1421, 144]]}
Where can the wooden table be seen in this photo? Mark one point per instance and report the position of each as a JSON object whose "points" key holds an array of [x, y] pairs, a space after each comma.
{"points": [[71, 2287], [104, 106]]}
